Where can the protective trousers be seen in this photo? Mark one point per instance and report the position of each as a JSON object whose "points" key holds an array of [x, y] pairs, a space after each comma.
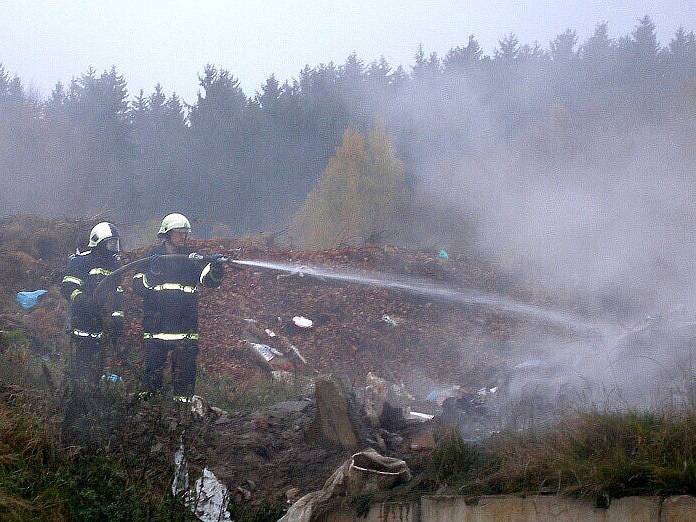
{"points": [[183, 365], [87, 362]]}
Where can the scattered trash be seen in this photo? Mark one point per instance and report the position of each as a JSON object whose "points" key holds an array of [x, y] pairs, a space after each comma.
{"points": [[416, 415], [439, 395], [268, 357], [180, 483], [364, 473], [389, 320], [487, 391], [386, 403], [302, 322], [111, 377], [531, 363], [29, 300], [298, 354], [268, 353], [199, 406], [270, 332], [443, 254], [208, 499]]}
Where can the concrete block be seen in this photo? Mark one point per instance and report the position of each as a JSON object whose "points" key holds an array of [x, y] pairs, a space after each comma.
{"points": [[394, 512], [444, 508], [678, 509], [635, 509], [534, 509]]}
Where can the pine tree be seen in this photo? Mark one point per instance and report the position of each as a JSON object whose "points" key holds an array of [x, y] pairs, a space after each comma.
{"points": [[508, 49], [464, 57], [563, 47]]}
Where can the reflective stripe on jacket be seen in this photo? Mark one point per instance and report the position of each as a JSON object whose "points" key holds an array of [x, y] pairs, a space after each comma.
{"points": [[82, 275], [170, 296]]}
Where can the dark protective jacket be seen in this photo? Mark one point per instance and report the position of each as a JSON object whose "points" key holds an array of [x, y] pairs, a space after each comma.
{"points": [[84, 272], [170, 296]]}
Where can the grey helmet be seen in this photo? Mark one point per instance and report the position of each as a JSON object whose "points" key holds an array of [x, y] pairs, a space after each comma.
{"points": [[101, 232], [174, 222]]}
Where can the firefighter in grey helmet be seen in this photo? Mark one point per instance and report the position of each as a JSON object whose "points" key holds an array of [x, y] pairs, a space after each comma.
{"points": [[169, 288], [93, 318]]}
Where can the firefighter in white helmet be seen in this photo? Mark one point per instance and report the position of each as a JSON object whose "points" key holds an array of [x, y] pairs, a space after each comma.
{"points": [[92, 318], [170, 307]]}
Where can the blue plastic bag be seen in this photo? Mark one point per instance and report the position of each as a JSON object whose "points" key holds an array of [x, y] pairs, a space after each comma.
{"points": [[29, 300], [443, 254]]}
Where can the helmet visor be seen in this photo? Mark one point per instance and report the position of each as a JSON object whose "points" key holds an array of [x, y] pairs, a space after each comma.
{"points": [[112, 244]]}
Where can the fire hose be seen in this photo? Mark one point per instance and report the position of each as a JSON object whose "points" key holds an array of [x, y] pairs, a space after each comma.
{"points": [[194, 258], [134, 265]]}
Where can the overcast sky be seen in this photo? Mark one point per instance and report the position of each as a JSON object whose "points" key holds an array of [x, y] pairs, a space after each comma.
{"points": [[170, 41]]}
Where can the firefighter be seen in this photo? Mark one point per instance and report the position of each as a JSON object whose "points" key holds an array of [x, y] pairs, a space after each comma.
{"points": [[169, 288], [93, 318]]}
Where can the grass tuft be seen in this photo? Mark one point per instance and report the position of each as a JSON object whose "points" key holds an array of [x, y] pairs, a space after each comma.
{"points": [[591, 455]]}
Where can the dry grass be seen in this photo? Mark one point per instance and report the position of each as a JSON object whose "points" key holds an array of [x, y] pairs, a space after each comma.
{"points": [[99, 467], [595, 455]]}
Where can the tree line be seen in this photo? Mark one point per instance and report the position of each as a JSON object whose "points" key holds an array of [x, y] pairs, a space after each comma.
{"points": [[251, 161]]}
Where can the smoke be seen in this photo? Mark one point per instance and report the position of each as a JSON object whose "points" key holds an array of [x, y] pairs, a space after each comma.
{"points": [[597, 215]]}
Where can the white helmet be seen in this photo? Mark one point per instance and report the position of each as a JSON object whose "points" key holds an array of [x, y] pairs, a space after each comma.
{"points": [[173, 222], [102, 231]]}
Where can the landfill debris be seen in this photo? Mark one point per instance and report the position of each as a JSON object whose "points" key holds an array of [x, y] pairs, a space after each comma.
{"points": [[487, 391], [180, 483], [442, 254], [111, 377], [439, 395], [270, 332], [268, 353], [208, 499], [422, 417], [200, 407], [269, 358], [298, 354], [363, 473], [28, 300], [531, 363], [386, 403], [387, 319], [242, 494], [302, 322]]}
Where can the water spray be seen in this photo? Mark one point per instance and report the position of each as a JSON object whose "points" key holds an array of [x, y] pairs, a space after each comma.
{"points": [[410, 285], [424, 288]]}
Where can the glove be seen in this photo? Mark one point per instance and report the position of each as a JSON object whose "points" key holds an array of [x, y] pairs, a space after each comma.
{"points": [[217, 270]]}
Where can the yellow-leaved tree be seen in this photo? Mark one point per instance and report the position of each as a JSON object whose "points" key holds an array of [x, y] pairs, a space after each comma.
{"points": [[360, 197]]}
